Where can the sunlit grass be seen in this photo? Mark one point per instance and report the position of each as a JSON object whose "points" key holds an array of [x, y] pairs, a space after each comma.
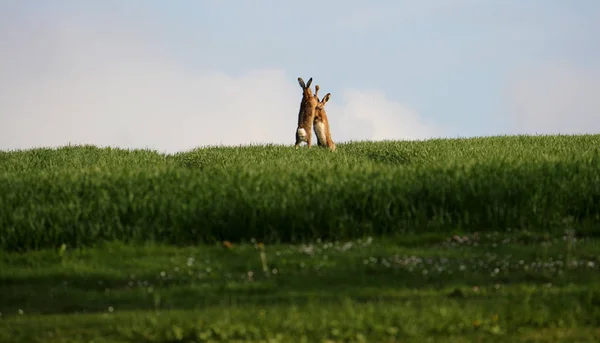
{"points": [[80, 196]]}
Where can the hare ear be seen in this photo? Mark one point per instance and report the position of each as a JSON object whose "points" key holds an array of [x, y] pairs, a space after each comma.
{"points": [[309, 82], [326, 98], [301, 82]]}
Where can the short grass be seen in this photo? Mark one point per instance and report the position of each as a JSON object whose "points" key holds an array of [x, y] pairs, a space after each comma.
{"points": [[499, 286], [82, 195]]}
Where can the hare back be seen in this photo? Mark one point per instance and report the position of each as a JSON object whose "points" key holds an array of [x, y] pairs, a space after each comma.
{"points": [[307, 113]]}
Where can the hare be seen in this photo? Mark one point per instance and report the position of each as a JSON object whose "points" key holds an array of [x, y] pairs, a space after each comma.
{"points": [[306, 114], [321, 123]]}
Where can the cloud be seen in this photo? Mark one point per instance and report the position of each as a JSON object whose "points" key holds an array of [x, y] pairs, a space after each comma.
{"points": [[554, 98], [369, 115], [82, 82]]}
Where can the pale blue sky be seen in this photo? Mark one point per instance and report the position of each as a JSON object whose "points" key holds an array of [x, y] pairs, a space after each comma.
{"points": [[394, 68]]}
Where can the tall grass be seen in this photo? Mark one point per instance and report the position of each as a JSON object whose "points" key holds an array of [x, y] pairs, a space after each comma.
{"points": [[81, 195]]}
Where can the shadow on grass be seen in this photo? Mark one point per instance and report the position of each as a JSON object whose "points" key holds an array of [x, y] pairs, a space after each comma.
{"points": [[67, 293], [124, 277]]}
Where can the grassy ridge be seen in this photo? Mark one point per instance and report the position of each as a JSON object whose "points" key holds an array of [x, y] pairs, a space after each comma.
{"points": [[83, 195]]}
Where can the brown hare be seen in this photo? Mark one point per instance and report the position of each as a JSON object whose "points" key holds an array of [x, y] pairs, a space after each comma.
{"points": [[321, 123], [306, 114]]}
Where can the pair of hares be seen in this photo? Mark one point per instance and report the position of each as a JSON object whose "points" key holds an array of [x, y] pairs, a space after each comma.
{"points": [[312, 113]]}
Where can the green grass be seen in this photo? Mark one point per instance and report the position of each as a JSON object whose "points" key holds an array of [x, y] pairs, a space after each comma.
{"points": [[83, 195], [449, 240], [493, 287]]}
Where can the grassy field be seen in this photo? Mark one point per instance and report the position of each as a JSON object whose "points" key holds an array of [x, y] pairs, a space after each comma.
{"points": [[82, 195], [494, 287], [457, 240]]}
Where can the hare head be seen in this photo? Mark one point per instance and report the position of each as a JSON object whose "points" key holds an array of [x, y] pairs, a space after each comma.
{"points": [[306, 91], [321, 104]]}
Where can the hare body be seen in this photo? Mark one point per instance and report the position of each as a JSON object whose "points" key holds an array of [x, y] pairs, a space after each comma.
{"points": [[306, 114], [321, 122]]}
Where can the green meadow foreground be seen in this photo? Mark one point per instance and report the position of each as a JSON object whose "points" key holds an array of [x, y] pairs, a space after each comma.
{"points": [[457, 240]]}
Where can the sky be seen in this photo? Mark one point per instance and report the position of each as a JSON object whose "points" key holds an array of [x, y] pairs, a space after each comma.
{"points": [[176, 75]]}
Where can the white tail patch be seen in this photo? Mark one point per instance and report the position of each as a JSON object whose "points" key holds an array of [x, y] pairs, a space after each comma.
{"points": [[302, 133]]}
